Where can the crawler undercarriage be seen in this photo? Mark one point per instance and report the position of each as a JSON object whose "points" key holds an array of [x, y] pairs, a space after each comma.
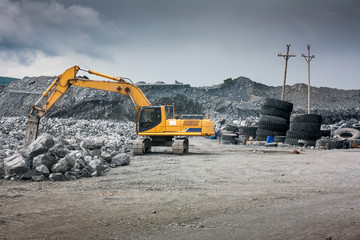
{"points": [[142, 145]]}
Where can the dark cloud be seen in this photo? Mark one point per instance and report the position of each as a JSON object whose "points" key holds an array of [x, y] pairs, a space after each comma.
{"points": [[51, 28], [198, 41]]}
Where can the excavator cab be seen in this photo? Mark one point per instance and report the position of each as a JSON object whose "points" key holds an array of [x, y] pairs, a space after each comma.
{"points": [[149, 118]]}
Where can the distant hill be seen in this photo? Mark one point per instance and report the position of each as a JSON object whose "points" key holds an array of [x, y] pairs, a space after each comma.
{"points": [[7, 80], [234, 99]]}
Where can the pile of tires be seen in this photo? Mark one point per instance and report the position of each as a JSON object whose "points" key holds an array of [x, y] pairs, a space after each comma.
{"points": [[330, 143], [228, 137], [304, 129], [248, 132], [346, 133], [274, 118]]}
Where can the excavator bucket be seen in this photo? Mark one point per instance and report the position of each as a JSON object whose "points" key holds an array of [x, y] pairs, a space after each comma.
{"points": [[32, 129]]}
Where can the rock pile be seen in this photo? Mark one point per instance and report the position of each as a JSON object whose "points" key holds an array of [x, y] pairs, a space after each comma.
{"points": [[69, 149]]}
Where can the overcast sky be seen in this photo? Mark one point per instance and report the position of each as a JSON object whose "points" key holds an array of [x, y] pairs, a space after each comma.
{"points": [[200, 42]]}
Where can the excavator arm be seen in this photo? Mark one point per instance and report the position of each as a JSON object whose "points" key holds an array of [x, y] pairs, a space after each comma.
{"points": [[64, 81]]}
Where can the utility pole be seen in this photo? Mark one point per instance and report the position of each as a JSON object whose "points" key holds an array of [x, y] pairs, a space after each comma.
{"points": [[308, 59], [287, 56]]}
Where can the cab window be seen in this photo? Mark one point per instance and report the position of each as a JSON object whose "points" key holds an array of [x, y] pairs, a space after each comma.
{"points": [[149, 118]]}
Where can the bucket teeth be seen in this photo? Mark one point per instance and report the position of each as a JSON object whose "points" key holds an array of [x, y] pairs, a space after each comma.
{"points": [[32, 129]]}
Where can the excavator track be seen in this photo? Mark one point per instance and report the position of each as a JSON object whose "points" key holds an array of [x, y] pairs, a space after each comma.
{"points": [[180, 146], [141, 145]]}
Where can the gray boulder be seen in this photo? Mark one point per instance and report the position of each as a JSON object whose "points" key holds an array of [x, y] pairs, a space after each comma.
{"points": [[57, 177], [43, 170], [59, 152], [121, 159], [61, 143], [2, 171], [47, 159], [86, 172], [106, 156], [29, 174], [79, 163], [71, 175], [92, 144], [41, 145], [61, 166], [95, 153], [88, 159], [38, 178], [37, 160], [98, 166], [72, 156], [15, 165]]}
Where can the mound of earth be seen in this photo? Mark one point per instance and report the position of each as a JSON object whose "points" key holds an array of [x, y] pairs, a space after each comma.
{"points": [[236, 99]]}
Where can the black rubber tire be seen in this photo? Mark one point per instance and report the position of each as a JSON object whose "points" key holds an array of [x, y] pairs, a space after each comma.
{"points": [[347, 133], [262, 134], [356, 126], [272, 120], [325, 133], [228, 136], [231, 128], [279, 139], [274, 127], [279, 104], [312, 118], [248, 131], [272, 111], [340, 144], [303, 135], [273, 123], [304, 126], [226, 132]]}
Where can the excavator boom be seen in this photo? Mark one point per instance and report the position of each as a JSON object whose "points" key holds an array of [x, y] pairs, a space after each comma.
{"points": [[64, 81]]}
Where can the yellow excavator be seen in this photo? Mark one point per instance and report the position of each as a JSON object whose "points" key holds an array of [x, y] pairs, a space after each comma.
{"points": [[155, 125]]}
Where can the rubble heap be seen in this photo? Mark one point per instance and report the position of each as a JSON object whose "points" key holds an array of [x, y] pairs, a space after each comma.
{"points": [[66, 149]]}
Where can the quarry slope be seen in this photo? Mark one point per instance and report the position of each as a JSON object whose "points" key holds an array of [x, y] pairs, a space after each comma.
{"points": [[236, 98]]}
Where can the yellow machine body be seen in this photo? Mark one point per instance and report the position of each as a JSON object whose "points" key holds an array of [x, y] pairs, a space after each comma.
{"points": [[178, 127]]}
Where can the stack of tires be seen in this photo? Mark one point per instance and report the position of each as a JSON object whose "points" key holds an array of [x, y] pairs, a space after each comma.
{"points": [[228, 137], [274, 119], [247, 132], [304, 129]]}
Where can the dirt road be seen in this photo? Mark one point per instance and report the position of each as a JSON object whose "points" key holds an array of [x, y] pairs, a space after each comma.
{"points": [[215, 192]]}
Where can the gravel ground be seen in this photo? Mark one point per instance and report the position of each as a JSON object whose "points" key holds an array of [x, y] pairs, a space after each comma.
{"points": [[215, 192]]}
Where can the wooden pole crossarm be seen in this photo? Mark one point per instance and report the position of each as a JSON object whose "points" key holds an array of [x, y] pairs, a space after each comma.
{"points": [[308, 59], [286, 56]]}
